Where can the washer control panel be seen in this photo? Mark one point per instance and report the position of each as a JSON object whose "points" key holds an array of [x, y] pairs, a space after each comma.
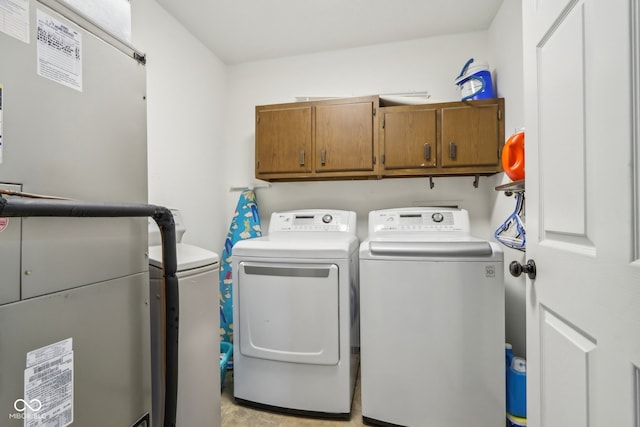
{"points": [[313, 220], [411, 220]]}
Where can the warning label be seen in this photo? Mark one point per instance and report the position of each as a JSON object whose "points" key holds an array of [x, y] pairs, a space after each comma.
{"points": [[48, 386]]}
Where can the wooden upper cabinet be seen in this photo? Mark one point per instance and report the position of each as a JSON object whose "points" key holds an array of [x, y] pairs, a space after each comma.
{"points": [[344, 137], [283, 141], [408, 140], [473, 135], [327, 139]]}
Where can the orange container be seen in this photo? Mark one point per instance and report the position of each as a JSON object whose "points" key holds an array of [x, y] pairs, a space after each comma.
{"points": [[513, 156]]}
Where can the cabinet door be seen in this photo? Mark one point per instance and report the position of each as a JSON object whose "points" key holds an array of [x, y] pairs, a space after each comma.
{"points": [[344, 137], [283, 141], [471, 135], [409, 139]]}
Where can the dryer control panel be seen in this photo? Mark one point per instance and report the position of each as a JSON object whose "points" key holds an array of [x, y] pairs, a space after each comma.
{"points": [[412, 220], [313, 220]]}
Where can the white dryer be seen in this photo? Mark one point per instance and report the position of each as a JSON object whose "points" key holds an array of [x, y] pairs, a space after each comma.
{"points": [[432, 313], [295, 314]]}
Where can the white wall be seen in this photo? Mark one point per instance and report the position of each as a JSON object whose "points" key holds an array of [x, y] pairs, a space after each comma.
{"points": [[420, 65], [186, 108], [505, 41], [201, 126]]}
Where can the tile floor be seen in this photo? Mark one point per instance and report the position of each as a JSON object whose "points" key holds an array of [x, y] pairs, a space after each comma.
{"points": [[234, 415]]}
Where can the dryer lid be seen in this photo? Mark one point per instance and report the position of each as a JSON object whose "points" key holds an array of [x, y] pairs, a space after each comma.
{"points": [[300, 245], [188, 257]]}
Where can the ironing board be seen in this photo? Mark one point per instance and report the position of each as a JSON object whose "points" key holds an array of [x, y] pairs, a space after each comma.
{"points": [[244, 225]]}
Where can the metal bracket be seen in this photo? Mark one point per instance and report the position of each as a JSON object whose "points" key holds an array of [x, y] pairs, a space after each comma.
{"points": [[476, 181], [141, 58]]}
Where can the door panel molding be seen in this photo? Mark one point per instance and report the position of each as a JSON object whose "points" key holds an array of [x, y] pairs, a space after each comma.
{"points": [[635, 121], [566, 353], [564, 146], [636, 397], [566, 242], [550, 13]]}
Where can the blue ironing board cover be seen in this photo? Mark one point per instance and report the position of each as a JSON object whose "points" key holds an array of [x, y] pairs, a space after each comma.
{"points": [[244, 225]]}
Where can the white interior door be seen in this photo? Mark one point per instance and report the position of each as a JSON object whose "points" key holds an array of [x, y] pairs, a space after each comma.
{"points": [[581, 120]]}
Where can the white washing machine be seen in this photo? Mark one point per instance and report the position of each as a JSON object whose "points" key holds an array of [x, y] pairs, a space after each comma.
{"points": [[295, 314], [198, 334], [432, 321]]}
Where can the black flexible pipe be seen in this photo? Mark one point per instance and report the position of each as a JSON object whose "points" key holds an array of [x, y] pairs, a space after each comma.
{"points": [[21, 207]]}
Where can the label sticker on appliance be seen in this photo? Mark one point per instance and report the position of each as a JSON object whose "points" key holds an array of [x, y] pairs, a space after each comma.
{"points": [[4, 223], [59, 51], [14, 19], [490, 271], [48, 386]]}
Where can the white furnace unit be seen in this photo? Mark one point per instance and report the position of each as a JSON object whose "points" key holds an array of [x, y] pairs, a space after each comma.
{"points": [[432, 307], [74, 293], [295, 294]]}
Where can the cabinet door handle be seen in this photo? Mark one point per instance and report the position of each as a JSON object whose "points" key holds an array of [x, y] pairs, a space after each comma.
{"points": [[323, 157], [301, 158], [452, 150], [427, 151]]}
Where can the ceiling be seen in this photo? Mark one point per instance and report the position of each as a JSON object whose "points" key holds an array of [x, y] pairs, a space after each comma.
{"points": [[247, 30]]}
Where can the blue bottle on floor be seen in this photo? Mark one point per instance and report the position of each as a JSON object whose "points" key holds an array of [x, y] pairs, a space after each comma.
{"points": [[517, 388], [508, 357]]}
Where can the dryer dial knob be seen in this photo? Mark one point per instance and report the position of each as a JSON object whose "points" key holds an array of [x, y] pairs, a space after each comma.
{"points": [[327, 219], [437, 217]]}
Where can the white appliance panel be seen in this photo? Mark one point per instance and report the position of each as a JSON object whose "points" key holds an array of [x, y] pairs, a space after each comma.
{"points": [[446, 289], [322, 389], [418, 220], [198, 346], [295, 312], [80, 138], [289, 312], [198, 341], [313, 221], [447, 366], [109, 325]]}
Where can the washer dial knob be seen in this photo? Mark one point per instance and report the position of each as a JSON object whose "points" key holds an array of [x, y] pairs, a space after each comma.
{"points": [[437, 217], [327, 219]]}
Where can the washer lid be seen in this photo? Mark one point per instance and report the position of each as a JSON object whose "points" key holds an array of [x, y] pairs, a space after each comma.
{"points": [[188, 257], [467, 249], [444, 249]]}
